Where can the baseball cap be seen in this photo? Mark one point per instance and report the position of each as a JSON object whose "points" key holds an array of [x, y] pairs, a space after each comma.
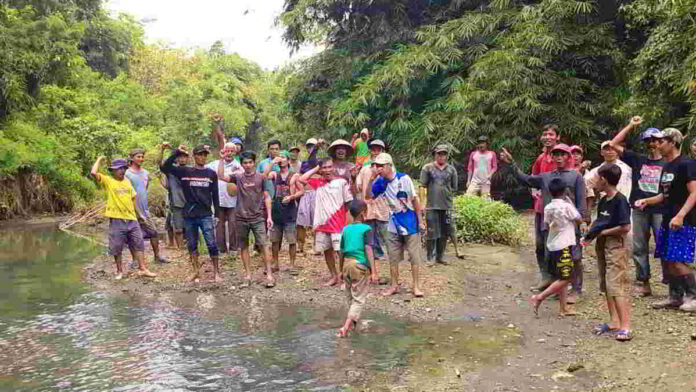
{"points": [[575, 147], [605, 144], [201, 149], [561, 147], [236, 140], [673, 134], [384, 159], [378, 142], [136, 151], [652, 133], [441, 148], [483, 138], [365, 130], [118, 163], [311, 140], [294, 148]]}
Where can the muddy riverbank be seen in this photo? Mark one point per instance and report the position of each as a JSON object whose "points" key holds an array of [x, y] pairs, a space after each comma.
{"points": [[487, 291]]}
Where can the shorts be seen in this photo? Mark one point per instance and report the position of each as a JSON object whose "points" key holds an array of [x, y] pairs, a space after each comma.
{"points": [[124, 232], [676, 246], [176, 219], [561, 263], [478, 189], [396, 244], [305, 210], [258, 228], [327, 241], [440, 224], [284, 230], [612, 261], [147, 226]]}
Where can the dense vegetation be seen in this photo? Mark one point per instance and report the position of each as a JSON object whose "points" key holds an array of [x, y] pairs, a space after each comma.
{"points": [[76, 82]]}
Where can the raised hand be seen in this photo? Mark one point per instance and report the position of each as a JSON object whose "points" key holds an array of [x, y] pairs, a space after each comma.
{"points": [[505, 156], [636, 120]]}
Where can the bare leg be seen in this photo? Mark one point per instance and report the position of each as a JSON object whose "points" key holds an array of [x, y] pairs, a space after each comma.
{"points": [[394, 272], [330, 256], [119, 266], [217, 277], [415, 271], [301, 235], [613, 313], [270, 281], [155, 250], [275, 248], [623, 309], [142, 264], [170, 237], [456, 247], [293, 254], [179, 238], [555, 287], [563, 302], [195, 268]]}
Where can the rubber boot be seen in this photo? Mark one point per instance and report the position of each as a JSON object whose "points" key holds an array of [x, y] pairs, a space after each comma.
{"points": [[676, 292], [440, 250]]}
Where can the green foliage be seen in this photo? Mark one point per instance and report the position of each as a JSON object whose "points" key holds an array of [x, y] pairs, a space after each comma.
{"points": [[481, 220]]}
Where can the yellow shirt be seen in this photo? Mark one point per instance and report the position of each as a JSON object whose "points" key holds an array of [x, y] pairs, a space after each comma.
{"points": [[119, 201]]}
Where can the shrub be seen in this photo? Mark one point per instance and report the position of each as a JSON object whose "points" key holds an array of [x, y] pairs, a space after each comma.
{"points": [[481, 220]]}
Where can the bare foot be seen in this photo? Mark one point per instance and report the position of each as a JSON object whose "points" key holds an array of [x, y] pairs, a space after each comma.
{"points": [[391, 291], [342, 333], [247, 281], [332, 282], [460, 256], [270, 281], [217, 278], [568, 312], [535, 302], [418, 293]]}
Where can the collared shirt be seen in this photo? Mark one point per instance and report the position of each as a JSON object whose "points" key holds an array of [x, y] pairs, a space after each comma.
{"points": [[560, 215], [226, 200], [625, 181]]}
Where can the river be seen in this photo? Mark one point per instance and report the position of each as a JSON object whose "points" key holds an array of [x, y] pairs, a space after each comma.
{"points": [[56, 333]]}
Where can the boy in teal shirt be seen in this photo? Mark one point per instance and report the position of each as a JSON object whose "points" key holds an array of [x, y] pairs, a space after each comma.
{"points": [[357, 260]]}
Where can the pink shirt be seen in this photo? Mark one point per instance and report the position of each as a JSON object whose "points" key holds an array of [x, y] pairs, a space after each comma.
{"points": [[482, 165]]}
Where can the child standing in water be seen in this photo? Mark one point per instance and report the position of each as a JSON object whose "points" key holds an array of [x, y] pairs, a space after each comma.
{"points": [[562, 217], [356, 262]]}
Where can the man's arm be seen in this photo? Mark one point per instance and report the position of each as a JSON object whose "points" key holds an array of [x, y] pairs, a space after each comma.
{"points": [[221, 173], [618, 230], [455, 180], [215, 192], [621, 136], [494, 165], [532, 181], [678, 221], [168, 166], [296, 191], [95, 168], [470, 169], [269, 168], [305, 177], [267, 204], [580, 201]]}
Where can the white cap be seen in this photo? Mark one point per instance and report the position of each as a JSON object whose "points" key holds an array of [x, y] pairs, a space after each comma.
{"points": [[384, 159], [311, 140]]}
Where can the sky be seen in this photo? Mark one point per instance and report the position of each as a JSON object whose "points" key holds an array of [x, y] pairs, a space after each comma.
{"points": [[244, 26]]}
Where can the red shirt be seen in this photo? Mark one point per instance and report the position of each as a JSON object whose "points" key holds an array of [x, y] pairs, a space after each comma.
{"points": [[543, 164], [330, 206]]}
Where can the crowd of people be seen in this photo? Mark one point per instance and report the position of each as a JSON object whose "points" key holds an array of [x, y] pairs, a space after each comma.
{"points": [[362, 209]]}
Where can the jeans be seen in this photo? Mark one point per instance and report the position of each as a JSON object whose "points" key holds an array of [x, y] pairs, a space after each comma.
{"points": [[205, 223], [540, 237], [643, 222]]}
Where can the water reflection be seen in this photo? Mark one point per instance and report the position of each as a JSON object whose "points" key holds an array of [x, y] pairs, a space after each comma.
{"points": [[56, 335]]}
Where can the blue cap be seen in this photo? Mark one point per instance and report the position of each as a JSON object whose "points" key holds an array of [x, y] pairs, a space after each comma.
{"points": [[118, 163], [652, 133], [237, 140]]}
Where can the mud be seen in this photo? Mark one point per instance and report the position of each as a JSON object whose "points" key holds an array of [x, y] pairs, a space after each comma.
{"points": [[488, 290]]}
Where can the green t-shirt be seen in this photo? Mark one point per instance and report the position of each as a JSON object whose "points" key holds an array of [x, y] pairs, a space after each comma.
{"points": [[363, 149], [355, 237]]}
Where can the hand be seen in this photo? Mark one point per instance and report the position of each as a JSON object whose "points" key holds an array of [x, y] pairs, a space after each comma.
{"points": [[423, 226], [640, 204], [321, 142], [676, 223], [269, 223], [636, 121], [286, 199], [583, 228], [355, 170], [355, 136], [166, 146], [586, 164], [374, 174], [505, 156]]}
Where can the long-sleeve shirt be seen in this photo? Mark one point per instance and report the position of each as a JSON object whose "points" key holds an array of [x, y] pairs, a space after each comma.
{"points": [[200, 187], [482, 166], [575, 186]]}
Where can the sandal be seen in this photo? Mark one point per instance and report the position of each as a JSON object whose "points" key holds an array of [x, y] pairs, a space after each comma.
{"points": [[624, 335], [603, 328]]}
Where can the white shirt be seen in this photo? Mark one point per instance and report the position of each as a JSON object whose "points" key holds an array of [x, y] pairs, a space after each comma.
{"points": [[560, 215], [226, 201], [624, 185]]}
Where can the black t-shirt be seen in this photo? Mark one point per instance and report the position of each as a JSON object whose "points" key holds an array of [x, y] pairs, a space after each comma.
{"points": [[675, 176], [646, 175], [200, 187], [610, 213]]}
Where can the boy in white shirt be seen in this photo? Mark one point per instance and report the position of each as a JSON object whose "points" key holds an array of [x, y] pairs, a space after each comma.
{"points": [[562, 218]]}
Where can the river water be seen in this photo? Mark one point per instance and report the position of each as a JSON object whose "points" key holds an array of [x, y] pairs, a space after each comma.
{"points": [[57, 334]]}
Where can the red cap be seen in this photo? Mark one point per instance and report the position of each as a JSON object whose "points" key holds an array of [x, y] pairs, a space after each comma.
{"points": [[576, 147], [561, 147]]}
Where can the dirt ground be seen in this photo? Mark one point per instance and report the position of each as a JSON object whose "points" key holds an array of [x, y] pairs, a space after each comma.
{"points": [[490, 290]]}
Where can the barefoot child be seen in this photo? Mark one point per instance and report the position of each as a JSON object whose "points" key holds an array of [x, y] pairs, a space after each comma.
{"points": [[610, 228], [561, 217], [357, 260]]}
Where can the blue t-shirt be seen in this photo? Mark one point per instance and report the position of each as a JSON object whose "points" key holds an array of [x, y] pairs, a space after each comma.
{"points": [[398, 193], [268, 184], [140, 180]]}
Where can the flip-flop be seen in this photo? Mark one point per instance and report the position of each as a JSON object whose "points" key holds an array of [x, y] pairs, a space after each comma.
{"points": [[624, 335], [603, 328]]}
